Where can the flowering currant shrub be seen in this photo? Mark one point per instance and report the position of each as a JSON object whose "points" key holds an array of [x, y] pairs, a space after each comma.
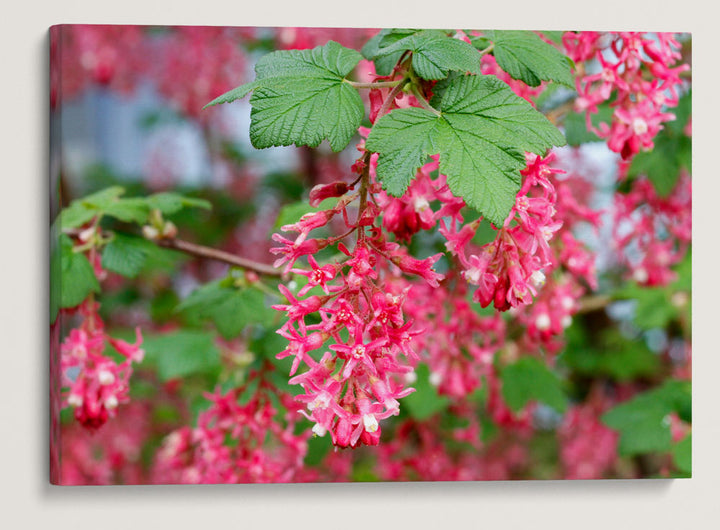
{"points": [[478, 267]]}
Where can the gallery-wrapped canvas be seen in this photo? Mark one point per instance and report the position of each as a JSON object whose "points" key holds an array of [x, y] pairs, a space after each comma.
{"points": [[335, 255]]}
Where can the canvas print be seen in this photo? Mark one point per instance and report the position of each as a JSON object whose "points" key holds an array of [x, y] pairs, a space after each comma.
{"points": [[341, 255]]}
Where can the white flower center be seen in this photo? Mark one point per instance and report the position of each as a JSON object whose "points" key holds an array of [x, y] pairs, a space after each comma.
{"points": [[111, 403], [370, 422], [639, 126], [319, 430], [543, 322], [640, 275], [435, 378], [105, 377], [538, 278]]}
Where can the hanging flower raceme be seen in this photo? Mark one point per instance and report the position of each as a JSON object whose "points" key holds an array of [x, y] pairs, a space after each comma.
{"points": [[639, 105], [347, 309], [509, 269], [588, 448], [652, 233], [457, 343], [96, 383]]}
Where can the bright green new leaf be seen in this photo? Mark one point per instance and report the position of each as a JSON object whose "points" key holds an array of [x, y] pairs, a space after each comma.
{"points": [[125, 255], [130, 210], [481, 133], [526, 57], [77, 278], [301, 97], [434, 54], [531, 380], [84, 209], [170, 202]]}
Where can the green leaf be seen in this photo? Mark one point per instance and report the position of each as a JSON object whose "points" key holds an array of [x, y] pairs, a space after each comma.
{"points": [[682, 454], [231, 309], [125, 255], [425, 402], [576, 130], [655, 305], [84, 209], [435, 54], [384, 65], [170, 202], [643, 423], [134, 210], [481, 134], [531, 380], [663, 164], [526, 57], [301, 97], [77, 278], [182, 353]]}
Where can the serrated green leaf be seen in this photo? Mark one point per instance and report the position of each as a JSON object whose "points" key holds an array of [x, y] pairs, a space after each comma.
{"points": [[231, 309], [170, 202], [643, 423], [125, 255], [434, 54], [425, 402], [481, 134], [526, 57], [77, 278], [531, 380], [682, 454], [301, 97], [182, 353]]}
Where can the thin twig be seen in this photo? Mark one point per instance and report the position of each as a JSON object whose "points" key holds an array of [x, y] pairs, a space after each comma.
{"points": [[375, 84], [592, 303], [218, 255]]}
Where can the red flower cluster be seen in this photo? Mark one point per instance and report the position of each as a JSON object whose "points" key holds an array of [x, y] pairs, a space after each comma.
{"points": [[639, 104]]}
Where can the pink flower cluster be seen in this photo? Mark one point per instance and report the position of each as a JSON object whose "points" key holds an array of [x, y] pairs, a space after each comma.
{"points": [[652, 233], [96, 383], [85, 54], [457, 343], [237, 440], [588, 449], [109, 456], [432, 450], [357, 381], [509, 269], [640, 102]]}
